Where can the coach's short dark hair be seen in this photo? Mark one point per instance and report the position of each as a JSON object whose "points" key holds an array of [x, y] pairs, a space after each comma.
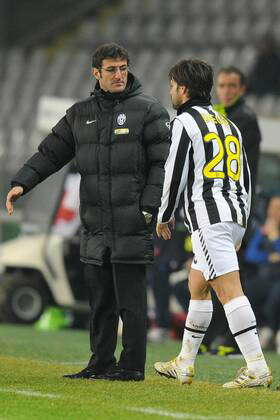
{"points": [[195, 74], [235, 70], [108, 51]]}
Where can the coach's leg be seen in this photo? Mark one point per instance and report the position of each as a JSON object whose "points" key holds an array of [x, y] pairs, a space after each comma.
{"points": [[130, 282], [198, 318], [103, 316], [241, 319]]}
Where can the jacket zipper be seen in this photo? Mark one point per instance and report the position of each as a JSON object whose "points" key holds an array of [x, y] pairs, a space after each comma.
{"points": [[110, 181]]}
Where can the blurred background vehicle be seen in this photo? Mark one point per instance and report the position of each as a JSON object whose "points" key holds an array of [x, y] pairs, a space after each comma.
{"points": [[45, 51]]}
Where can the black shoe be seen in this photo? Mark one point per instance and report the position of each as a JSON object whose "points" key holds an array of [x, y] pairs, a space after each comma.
{"points": [[89, 372], [119, 374], [83, 374]]}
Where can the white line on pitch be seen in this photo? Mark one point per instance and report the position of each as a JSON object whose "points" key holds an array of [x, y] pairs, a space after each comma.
{"points": [[176, 415], [29, 393]]}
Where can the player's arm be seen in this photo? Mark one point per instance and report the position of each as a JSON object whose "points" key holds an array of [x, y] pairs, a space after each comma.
{"points": [[176, 174], [55, 151], [247, 179], [246, 171]]}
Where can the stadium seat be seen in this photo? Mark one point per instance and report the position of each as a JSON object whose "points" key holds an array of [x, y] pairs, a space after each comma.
{"points": [[158, 35]]}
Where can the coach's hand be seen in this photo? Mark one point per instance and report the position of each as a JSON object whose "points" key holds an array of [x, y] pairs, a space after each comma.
{"points": [[164, 230], [12, 196]]}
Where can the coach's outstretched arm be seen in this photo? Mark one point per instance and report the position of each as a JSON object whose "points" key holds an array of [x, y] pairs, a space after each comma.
{"points": [[12, 196], [55, 151]]}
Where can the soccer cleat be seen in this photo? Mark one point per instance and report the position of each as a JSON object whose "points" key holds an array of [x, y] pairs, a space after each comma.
{"points": [[173, 370], [248, 379]]}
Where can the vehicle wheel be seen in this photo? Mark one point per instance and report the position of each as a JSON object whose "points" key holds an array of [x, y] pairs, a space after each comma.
{"points": [[23, 297]]}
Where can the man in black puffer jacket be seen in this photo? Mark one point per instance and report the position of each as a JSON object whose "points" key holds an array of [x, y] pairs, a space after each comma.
{"points": [[120, 139]]}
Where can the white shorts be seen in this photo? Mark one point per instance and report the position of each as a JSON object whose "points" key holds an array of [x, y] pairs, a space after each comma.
{"points": [[214, 248]]}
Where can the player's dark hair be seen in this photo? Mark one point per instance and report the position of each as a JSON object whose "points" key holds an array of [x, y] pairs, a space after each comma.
{"points": [[196, 75], [111, 50], [235, 70]]}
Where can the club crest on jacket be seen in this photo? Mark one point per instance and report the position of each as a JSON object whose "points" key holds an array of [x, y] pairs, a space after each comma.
{"points": [[121, 119]]}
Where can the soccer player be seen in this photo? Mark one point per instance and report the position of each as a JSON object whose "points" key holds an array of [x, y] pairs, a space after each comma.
{"points": [[207, 165]]}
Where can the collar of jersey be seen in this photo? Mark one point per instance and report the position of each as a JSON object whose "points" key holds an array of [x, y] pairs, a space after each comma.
{"points": [[193, 102]]}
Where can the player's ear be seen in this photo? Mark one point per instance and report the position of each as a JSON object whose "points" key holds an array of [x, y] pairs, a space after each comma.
{"points": [[185, 90]]}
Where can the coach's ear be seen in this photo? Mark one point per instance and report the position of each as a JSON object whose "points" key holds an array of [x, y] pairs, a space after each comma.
{"points": [[96, 73]]}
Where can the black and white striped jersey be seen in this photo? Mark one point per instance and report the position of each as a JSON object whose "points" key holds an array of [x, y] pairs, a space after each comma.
{"points": [[207, 164]]}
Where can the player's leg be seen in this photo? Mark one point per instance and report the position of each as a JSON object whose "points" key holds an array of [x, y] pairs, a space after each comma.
{"points": [[242, 323], [198, 319], [238, 310]]}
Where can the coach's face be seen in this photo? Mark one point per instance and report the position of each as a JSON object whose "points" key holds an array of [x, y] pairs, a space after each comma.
{"points": [[112, 76], [177, 94], [229, 88]]}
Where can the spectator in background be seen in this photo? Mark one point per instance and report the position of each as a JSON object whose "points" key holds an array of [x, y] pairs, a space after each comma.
{"points": [[158, 279], [264, 290], [230, 90], [169, 257], [264, 78]]}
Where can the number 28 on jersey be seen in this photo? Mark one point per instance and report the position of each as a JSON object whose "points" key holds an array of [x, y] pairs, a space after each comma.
{"points": [[230, 150]]}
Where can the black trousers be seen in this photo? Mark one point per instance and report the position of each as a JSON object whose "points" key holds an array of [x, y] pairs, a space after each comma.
{"points": [[117, 290]]}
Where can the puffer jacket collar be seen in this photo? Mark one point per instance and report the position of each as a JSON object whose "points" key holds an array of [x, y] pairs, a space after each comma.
{"points": [[133, 88]]}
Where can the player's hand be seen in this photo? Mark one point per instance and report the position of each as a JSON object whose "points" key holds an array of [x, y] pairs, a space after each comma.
{"points": [[237, 248], [164, 229], [12, 196]]}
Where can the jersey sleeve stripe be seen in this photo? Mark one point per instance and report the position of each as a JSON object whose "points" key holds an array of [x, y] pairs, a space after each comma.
{"points": [[177, 164], [191, 209]]}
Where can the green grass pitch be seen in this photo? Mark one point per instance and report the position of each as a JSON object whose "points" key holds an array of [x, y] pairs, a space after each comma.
{"points": [[31, 386]]}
